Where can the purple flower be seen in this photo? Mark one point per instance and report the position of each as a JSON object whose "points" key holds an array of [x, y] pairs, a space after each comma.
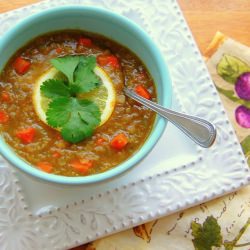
{"points": [[242, 86], [242, 115]]}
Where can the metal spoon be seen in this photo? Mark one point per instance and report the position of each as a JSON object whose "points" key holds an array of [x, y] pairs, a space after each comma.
{"points": [[199, 130]]}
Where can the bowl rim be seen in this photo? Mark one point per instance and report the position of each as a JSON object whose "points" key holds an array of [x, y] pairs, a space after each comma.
{"points": [[8, 153]]}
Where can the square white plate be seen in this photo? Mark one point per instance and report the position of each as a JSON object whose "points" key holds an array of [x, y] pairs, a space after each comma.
{"points": [[175, 175]]}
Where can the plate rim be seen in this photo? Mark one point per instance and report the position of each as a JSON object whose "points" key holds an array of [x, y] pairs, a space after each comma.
{"points": [[87, 220]]}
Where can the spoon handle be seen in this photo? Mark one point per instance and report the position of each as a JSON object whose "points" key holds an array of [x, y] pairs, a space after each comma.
{"points": [[199, 130]]}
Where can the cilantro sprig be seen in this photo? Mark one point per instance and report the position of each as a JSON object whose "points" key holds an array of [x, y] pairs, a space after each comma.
{"points": [[76, 118]]}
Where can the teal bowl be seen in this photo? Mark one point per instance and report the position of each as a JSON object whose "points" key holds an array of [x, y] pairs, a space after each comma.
{"points": [[108, 24]]}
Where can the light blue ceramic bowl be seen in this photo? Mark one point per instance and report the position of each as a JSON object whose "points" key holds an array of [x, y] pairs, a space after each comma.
{"points": [[102, 22]]}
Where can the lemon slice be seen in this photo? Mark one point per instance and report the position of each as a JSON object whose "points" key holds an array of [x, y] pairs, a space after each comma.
{"points": [[104, 96]]}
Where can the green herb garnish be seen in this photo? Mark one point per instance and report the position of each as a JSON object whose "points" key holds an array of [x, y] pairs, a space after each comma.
{"points": [[76, 118], [53, 88]]}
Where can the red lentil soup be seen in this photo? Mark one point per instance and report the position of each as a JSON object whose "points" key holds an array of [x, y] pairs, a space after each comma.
{"points": [[41, 145]]}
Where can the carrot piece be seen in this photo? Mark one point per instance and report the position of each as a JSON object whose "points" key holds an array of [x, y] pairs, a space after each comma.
{"points": [[119, 141], [26, 135], [45, 166], [111, 60], [56, 155], [142, 91], [58, 50], [21, 65], [4, 117], [5, 96], [81, 165], [85, 42], [100, 141]]}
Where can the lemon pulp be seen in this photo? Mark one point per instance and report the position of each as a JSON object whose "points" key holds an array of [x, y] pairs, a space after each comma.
{"points": [[104, 96]]}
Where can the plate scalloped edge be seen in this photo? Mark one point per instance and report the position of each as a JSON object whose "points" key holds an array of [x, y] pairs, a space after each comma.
{"points": [[154, 196]]}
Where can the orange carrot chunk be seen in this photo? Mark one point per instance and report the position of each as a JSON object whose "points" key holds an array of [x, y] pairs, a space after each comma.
{"points": [[142, 91], [4, 117], [119, 141], [21, 65], [85, 42], [56, 155], [26, 135], [104, 60], [58, 50], [45, 166], [5, 97], [81, 165]]}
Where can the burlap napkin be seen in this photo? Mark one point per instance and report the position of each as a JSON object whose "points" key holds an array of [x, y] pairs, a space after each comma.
{"points": [[223, 223]]}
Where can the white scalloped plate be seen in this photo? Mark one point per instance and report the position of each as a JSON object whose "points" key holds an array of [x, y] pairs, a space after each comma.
{"points": [[174, 176]]}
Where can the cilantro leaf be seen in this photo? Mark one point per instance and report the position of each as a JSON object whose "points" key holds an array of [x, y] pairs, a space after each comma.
{"points": [[54, 88], [67, 65], [76, 130], [207, 235], [76, 118], [85, 78], [57, 114]]}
